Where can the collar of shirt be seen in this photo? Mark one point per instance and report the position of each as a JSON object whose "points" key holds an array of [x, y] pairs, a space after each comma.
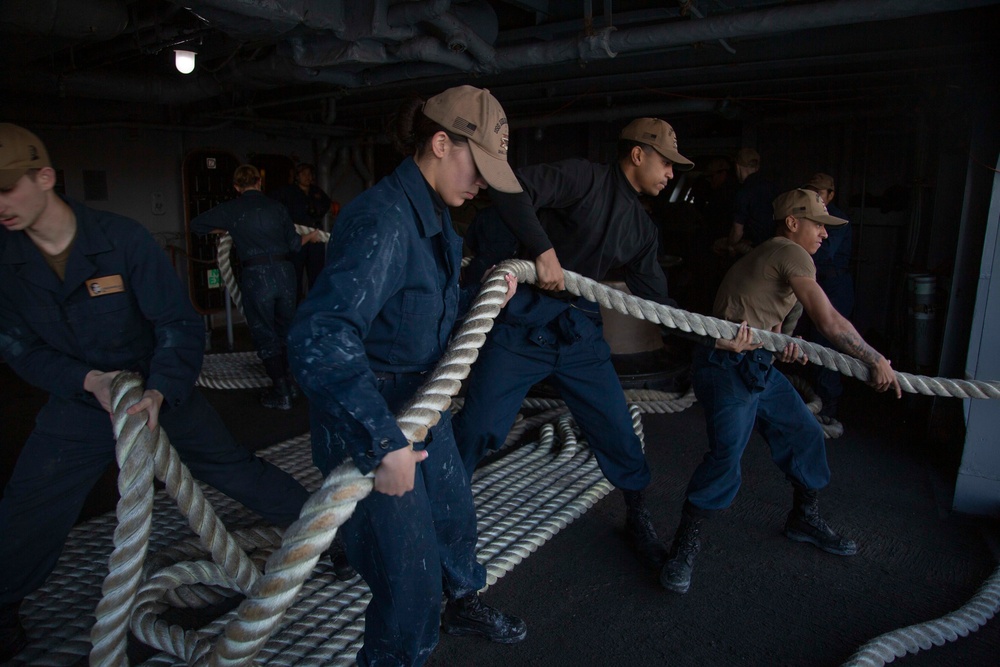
{"points": [[89, 240], [419, 192], [623, 183]]}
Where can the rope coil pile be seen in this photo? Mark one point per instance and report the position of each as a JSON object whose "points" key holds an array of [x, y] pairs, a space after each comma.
{"points": [[269, 595]]}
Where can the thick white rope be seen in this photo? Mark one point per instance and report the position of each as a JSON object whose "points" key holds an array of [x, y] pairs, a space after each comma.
{"points": [[272, 593], [922, 636], [676, 318], [832, 428], [226, 265]]}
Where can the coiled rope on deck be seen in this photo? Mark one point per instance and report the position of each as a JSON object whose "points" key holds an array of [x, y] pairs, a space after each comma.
{"points": [[269, 595]]}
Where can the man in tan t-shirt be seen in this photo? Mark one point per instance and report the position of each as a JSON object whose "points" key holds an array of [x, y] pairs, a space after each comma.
{"points": [[738, 386]]}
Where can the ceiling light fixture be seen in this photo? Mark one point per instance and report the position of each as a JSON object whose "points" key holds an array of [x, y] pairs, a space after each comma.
{"points": [[184, 61]]}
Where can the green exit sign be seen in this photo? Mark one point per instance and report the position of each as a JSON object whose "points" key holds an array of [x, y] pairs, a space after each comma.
{"points": [[213, 278]]}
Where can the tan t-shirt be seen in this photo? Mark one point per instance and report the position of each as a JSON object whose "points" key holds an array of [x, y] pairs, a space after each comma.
{"points": [[758, 289]]}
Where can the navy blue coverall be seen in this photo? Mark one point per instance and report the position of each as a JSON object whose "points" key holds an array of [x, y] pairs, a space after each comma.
{"points": [[265, 239], [53, 333], [753, 208], [833, 273], [361, 343], [595, 221], [306, 209]]}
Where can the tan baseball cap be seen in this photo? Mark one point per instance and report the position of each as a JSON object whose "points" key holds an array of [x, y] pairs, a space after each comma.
{"points": [[821, 181], [806, 204], [658, 134], [20, 150], [474, 113]]}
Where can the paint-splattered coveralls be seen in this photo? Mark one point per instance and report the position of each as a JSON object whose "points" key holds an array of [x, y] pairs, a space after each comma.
{"points": [[53, 333], [361, 344], [265, 239]]}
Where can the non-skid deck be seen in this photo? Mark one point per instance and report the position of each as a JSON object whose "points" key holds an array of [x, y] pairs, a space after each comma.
{"points": [[522, 500]]}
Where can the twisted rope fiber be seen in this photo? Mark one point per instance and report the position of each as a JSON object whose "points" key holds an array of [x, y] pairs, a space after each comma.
{"points": [[646, 400], [233, 370], [832, 428], [675, 318], [327, 509], [135, 449], [922, 636], [336, 645], [226, 265]]}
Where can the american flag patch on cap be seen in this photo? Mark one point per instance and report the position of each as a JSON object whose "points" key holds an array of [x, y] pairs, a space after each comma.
{"points": [[464, 126]]}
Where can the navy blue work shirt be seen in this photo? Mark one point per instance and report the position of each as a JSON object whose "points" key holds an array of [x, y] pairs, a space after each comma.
{"points": [[754, 209], [120, 307], [305, 208], [593, 218], [386, 302], [258, 224], [833, 259]]}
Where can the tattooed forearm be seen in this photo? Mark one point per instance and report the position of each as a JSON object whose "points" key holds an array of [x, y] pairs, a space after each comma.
{"points": [[851, 343]]}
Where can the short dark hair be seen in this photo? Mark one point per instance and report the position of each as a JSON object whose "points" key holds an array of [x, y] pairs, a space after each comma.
{"points": [[625, 147]]}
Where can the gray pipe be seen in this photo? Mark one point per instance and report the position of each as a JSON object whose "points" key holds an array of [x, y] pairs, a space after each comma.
{"points": [[654, 109], [605, 44], [608, 43], [95, 20]]}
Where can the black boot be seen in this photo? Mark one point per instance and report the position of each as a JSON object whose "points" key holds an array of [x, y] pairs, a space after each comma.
{"points": [[470, 616], [804, 524], [287, 374], [639, 526], [337, 554], [296, 392], [279, 396], [676, 573], [12, 636]]}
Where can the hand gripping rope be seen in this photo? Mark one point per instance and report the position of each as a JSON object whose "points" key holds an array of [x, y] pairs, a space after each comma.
{"points": [[142, 453]]}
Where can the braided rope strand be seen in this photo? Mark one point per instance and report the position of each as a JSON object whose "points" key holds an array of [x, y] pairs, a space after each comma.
{"points": [[270, 595], [675, 318]]}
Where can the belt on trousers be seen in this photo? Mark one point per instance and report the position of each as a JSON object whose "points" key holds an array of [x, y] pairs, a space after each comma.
{"points": [[265, 259]]}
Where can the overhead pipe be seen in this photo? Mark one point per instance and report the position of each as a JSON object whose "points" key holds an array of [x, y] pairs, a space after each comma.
{"points": [[273, 16], [780, 19], [654, 109], [687, 5], [604, 44], [332, 51], [96, 20], [609, 43], [410, 13], [431, 50]]}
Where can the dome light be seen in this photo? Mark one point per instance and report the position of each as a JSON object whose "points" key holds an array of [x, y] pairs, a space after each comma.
{"points": [[184, 61]]}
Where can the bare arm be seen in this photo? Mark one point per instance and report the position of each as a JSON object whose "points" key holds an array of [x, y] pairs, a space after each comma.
{"points": [[842, 333]]}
